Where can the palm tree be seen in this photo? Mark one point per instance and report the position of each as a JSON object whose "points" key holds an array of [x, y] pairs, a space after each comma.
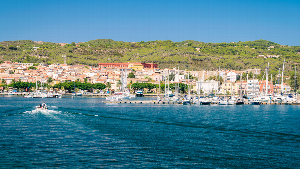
{"points": [[108, 85], [119, 84], [49, 80], [172, 76]]}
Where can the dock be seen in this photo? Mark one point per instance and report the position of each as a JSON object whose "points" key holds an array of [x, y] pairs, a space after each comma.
{"points": [[171, 102], [141, 102]]}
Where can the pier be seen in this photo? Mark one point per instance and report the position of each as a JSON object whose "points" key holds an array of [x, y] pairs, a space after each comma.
{"points": [[171, 102]]}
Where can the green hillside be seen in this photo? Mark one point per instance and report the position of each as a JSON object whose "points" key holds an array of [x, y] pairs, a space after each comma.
{"points": [[192, 55]]}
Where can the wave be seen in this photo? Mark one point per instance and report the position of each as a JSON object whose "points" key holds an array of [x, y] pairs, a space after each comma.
{"points": [[43, 112]]}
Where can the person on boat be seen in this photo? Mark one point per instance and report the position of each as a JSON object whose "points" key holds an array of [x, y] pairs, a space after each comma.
{"points": [[44, 105]]}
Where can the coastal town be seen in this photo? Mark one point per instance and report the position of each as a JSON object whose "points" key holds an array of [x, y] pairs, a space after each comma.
{"points": [[204, 82]]}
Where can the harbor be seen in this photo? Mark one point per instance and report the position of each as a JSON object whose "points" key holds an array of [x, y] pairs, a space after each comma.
{"points": [[171, 102]]}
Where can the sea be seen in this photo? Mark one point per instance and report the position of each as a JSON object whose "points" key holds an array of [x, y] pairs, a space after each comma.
{"points": [[83, 132]]}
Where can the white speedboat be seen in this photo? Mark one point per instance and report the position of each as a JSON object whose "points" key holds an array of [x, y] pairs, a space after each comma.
{"points": [[223, 102], [205, 101], [41, 108], [139, 93], [255, 101], [29, 96], [231, 102], [186, 102], [78, 94]]}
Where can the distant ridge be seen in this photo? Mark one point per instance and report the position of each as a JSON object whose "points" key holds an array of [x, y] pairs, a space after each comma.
{"points": [[189, 54]]}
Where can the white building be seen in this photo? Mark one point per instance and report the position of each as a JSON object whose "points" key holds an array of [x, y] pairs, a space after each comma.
{"points": [[252, 86], [207, 86], [231, 76], [178, 78]]}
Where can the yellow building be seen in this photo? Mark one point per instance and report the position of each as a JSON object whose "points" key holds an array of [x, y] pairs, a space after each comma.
{"points": [[228, 87], [136, 66]]}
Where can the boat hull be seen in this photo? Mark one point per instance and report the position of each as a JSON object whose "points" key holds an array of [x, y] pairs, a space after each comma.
{"points": [[186, 102], [239, 103], [139, 95]]}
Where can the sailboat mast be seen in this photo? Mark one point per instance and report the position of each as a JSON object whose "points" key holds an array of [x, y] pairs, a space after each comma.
{"points": [[36, 86], [188, 85], [241, 86], [295, 80], [282, 78], [219, 80], [253, 84], [267, 79], [158, 87], [168, 84], [125, 79], [178, 80], [165, 84]]}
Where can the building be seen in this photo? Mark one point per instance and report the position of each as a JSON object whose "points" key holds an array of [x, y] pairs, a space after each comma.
{"points": [[228, 87], [208, 86], [231, 76], [262, 87], [241, 87], [286, 88], [252, 86], [135, 66]]}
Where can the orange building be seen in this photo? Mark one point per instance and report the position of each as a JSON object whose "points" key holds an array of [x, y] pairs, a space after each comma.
{"points": [[262, 86], [126, 65]]}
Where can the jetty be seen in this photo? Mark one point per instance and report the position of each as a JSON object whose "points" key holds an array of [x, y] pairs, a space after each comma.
{"points": [[171, 102]]}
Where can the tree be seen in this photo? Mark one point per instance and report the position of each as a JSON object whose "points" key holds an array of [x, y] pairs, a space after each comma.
{"points": [[131, 75], [85, 80], [108, 85], [3, 81], [172, 76], [294, 81], [49, 80], [99, 86], [250, 76], [32, 67], [216, 78], [119, 84], [189, 76]]}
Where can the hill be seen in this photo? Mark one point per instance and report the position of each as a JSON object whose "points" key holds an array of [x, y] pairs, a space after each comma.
{"points": [[192, 55]]}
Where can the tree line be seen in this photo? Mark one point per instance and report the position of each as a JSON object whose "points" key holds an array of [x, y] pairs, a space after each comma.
{"points": [[65, 85]]}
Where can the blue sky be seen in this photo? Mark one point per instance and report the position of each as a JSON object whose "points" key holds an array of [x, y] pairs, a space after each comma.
{"points": [[142, 20]]}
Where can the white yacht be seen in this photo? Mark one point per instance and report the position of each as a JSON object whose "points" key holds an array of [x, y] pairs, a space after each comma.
{"points": [[223, 102], [256, 101]]}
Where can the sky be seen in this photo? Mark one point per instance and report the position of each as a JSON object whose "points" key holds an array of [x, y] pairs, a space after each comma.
{"points": [[66, 21]]}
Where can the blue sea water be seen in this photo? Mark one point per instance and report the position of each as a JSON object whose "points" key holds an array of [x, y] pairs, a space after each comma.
{"points": [[85, 133]]}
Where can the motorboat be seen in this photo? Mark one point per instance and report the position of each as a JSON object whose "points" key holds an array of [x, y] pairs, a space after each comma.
{"points": [[139, 93], [186, 102], [255, 101], [223, 102], [205, 101], [175, 99], [239, 102], [78, 94], [39, 95], [29, 96], [41, 108], [231, 100], [10, 93], [112, 98]]}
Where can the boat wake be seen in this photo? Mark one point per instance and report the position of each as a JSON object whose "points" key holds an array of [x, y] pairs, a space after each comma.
{"points": [[46, 111]]}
